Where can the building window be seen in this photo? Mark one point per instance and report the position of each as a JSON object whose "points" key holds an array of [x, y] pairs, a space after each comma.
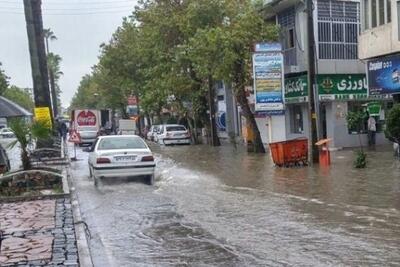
{"points": [[338, 28], [288, 38], [376, 13], [296, 119]]}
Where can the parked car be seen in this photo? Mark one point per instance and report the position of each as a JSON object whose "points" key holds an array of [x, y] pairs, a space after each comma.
{"points": [[6, 133], [173, 134], [121, 156], [88, 134], [152, 132]]}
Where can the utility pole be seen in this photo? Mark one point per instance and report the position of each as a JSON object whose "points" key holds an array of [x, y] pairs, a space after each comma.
{"points": [[214, 135], [312, 114], [34, 26]]}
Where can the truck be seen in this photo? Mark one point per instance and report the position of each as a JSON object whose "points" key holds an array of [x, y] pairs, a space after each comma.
{"points": [[127, 127], [89, 122]]}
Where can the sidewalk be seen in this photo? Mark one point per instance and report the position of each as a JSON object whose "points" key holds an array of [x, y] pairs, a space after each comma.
{"points": [[38, 233]]}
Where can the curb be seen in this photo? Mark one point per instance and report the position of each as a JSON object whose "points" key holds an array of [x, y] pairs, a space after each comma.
{"points": [[85, 258]]}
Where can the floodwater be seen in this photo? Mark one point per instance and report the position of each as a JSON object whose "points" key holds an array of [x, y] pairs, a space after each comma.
{"points": [[224, 207]]}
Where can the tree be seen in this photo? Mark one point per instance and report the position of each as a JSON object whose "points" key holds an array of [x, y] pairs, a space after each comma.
{"points": [[392, 131], [3, 81], [26, 134], [355, 120], [53, 66], [20, 97]]}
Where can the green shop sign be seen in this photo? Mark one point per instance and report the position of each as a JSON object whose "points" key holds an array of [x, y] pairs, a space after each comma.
{"points": [[330, 87], [296, 89], [342, 86]]}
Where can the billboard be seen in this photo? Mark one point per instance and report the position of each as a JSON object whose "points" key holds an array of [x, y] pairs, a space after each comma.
{"points": [[268, 79], [384, 75]]}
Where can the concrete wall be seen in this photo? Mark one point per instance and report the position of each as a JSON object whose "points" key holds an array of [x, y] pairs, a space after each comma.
{"points": [[340, 66], [380, 40], [263, 128]]}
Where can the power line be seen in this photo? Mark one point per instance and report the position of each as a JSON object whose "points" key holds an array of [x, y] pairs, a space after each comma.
{"points": [[69, 14], [68, 9], [74, 3]]}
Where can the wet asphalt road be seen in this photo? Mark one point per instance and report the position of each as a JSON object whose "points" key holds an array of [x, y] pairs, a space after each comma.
{"points": [[223, 207]]}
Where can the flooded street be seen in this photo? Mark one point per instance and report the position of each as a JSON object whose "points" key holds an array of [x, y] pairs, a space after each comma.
{"points": [[224, 207]]}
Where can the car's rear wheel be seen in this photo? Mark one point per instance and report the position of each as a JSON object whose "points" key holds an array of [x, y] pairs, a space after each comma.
{"points": [[150, 179]]}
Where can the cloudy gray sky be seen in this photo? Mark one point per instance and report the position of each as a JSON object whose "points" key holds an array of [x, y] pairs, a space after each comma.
{"points": [[80, 26]]}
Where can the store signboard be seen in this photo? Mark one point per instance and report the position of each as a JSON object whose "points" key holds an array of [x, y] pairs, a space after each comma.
{"points": [[268, 78], [296, 89], [342, 86], [384, 75]]}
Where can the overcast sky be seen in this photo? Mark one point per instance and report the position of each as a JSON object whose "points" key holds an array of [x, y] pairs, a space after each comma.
{"points": [[80, 26]]}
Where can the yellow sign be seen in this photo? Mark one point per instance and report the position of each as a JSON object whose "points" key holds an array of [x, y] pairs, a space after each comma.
{"points": [[43, 115]]}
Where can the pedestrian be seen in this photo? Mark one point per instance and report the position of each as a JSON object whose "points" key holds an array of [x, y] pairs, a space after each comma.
{"points": [[371, 130], [62, 129]]}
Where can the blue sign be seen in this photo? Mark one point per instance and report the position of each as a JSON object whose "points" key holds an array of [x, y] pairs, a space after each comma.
{"points": [[221, 121], [384, 75], [268, 47], [268, 81]]}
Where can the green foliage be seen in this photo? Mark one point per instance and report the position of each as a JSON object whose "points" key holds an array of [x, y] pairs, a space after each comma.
{"points": [[355, 120], [19, 96], [3, 81], [27, 134], [177, 48], [361, 159], [392, 131]]}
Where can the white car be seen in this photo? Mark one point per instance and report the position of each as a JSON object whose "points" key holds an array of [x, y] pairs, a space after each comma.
{"points": [[6, 133], [173, 134], [121, 156], [152, 132]]}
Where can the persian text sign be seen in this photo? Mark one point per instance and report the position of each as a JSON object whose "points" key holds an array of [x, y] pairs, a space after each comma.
{"points": [[384, 75], [268, 80], [42, 114], [346, 86], [296, 89]]}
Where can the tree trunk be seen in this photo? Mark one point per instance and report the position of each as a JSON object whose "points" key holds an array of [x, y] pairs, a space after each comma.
{"points": [[34, 25], [240, 93], [26, 163], [53, 93], [213, 126]]}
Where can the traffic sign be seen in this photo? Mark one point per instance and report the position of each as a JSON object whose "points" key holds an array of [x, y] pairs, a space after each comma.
{"points": [[74, 137]]}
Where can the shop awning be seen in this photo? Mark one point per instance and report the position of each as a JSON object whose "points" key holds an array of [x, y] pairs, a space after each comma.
{"points": [[9, 109]]}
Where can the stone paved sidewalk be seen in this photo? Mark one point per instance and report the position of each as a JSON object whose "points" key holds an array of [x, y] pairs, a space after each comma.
{"points": [[38, 233]]}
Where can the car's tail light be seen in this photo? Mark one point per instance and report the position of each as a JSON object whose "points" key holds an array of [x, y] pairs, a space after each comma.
{"points": [[103, 160], [148, 158]]}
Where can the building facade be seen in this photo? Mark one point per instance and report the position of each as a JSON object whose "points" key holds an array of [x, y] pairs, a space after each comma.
{"points": [[340, 76]]}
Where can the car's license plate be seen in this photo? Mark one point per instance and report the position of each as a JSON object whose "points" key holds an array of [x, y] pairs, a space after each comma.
{"points": [[125, 158]]}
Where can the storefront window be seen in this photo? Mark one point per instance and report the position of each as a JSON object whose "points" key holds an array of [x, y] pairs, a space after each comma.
{"points": [[358, 107], [380, 120], [296, 119]]}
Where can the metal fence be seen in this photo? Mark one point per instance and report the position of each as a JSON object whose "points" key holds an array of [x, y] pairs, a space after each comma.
{"points": [[338, 29]]}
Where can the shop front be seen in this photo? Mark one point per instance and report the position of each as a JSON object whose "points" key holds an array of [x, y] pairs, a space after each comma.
{"points": [[338, 94]]}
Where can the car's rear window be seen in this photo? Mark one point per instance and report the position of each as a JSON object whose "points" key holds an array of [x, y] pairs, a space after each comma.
{"points": [[175, 128], [121, 143]]}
